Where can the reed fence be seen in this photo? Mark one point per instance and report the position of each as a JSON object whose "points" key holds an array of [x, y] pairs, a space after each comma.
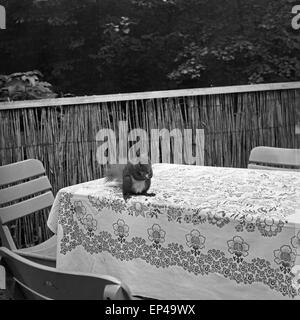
{"points": [[62, 132]]}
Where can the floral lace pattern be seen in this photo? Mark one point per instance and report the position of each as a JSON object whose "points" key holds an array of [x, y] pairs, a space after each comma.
{"points": [[189, 257], [251, 206], [256, 200]]}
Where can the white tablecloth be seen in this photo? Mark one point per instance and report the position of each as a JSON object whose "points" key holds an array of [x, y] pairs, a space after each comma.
{"points": [[209, 233]]}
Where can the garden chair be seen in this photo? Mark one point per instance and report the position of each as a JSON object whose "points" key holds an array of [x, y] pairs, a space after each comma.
{"points": [[270, 158], [25, 189], [30, 280]]}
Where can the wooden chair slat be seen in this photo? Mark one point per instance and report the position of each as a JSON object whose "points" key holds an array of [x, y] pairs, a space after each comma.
{"points": [[41, 282], [14, 204], [25, 189], [20, 171], [275, 156], [26, 207]]}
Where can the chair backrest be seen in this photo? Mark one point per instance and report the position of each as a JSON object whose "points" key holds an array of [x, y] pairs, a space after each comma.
{"points": [[274, 159], [30, 280], [24, 189]]}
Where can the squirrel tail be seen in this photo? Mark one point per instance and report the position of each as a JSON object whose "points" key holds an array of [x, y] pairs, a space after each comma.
{"points": [[114, 174]]}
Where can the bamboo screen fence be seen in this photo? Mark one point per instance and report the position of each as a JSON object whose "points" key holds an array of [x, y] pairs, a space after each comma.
{"points": [[62, 132]]}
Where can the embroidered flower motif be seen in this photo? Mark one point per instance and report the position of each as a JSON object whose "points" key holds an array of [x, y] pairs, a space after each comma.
{"points": [[90, 223], [250, 227], [138, 209], [174, 214], [245, 221], [285, 257], [138, 241], [80, 210], [237, 276], [249, 278], [117, 205], [271, 283], [138, 206], [195, 241], [187, 218], [295, 241], [154, 212], [239, 227], [219, 219], [198, 218], [268, 227], [121, 230], [216, 254], [226, 272], [157, 235], [261, 263], [238, 247], [284, 290], [97, 203]]}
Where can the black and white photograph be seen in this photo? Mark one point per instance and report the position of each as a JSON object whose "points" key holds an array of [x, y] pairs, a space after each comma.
{"points": [[150, 153]]}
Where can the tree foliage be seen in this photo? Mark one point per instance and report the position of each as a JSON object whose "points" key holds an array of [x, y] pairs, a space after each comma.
{"points": [[111, 46], [25, 86]]}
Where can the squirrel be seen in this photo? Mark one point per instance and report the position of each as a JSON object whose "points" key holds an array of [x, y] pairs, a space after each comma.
{"points": [[134, 179]]}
